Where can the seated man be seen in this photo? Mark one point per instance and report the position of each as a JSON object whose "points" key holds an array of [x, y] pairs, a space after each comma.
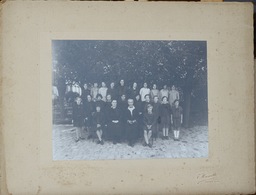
{"points": [[131, 116]]}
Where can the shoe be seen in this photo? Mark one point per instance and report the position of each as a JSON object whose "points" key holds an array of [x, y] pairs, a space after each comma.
{"points": [[101, 142], [150, 145], [114, 143], [98, 142]]}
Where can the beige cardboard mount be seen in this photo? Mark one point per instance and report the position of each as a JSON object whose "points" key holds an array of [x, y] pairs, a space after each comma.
{"points": [[27, 28]]}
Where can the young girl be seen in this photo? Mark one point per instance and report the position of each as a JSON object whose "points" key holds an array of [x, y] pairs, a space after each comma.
{"points": [[176, 119], [173, 95], [156, 111], [78, 117], [98, 123], [149, 121], [165, 112], [164, 92], [154, 92], [103, 91], [94, 91], [144, 91]]}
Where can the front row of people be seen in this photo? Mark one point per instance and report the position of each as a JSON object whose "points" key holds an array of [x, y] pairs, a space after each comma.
{"points": [[117, 125]]}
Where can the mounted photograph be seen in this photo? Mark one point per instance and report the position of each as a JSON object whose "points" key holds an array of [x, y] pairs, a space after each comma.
{"points": [[129, 99]]}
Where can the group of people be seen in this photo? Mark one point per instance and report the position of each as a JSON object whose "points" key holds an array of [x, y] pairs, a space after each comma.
{"points": [[127, 113]]}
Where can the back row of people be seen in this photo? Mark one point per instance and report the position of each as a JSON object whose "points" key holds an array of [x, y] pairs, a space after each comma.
{"points": [[126, 118], [130, 92]]}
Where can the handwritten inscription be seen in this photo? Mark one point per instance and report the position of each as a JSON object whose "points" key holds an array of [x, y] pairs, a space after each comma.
{"points": [[207, 178]]}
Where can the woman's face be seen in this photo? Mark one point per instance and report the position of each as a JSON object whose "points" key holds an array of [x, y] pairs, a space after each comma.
{"points": [[103, 84], [156, 99], [122, 82], [108, 98], [123, 97], [112, 85], [137, 97], [145, 85], [154, 86], [78, 101], [89, 98], [114, 103], [165, 100], [85, 86], [150, 108]]}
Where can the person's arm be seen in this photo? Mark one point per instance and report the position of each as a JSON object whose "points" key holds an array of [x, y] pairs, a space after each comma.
{"points": [[178, 95]]}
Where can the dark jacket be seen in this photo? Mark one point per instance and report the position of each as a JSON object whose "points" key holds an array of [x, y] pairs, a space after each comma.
{"points": [[78, 115]]}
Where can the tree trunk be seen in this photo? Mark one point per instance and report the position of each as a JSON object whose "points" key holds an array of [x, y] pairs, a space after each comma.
{"points": [[186, 114]]}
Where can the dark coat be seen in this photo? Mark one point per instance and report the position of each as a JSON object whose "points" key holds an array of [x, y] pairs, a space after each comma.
{"points": [[78, 115]]}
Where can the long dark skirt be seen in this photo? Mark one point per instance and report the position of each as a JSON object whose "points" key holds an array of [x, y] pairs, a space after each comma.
{"points": [[132, 132], [114, 132]]}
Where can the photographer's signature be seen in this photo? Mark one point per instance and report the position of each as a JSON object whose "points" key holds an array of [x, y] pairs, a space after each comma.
{"points": [[206, 178]]}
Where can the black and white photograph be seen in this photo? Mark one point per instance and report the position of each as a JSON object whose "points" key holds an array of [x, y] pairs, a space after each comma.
{"points": [[129, 99]]}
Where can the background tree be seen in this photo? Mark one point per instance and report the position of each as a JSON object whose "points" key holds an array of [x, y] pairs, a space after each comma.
{"points": [[182, 63]]}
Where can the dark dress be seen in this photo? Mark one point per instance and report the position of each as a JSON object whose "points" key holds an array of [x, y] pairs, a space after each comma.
{"points": [[101, 104], [138, 106], [113, 93], [165, 114], [131, 121], [122, 91], [78, 115], [145, 106], [156, 110], [114, 128], [149, 119], [98, 118], [85, 93], [176, 117], [133, 93], [89, 109]]}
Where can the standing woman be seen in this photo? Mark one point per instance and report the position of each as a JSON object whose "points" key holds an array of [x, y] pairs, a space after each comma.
{"points": [[144, 91], [85, 92], [112, 91], [94, 91], [156, 110], [164, 92], [173, 95], [78, 117], [154, 92], [165, 113], [114, 122], [103, 91], [89, 107], [176, 119], [122, 90], [133, 92]]}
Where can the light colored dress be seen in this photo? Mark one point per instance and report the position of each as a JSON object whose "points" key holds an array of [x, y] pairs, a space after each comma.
{"points": [[173, 95], [143, 92], [103, 92]]}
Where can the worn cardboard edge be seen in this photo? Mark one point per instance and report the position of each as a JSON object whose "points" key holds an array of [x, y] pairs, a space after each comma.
{"points": [[3, 184]]}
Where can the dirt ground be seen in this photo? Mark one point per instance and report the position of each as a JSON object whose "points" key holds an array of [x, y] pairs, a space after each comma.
{"points": [[193, 144]]}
